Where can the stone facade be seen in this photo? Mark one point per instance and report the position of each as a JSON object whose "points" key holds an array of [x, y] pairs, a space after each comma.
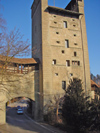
{"points": [[19, 84], [59, 42], [59, 35]]}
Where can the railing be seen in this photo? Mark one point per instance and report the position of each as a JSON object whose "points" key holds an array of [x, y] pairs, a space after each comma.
{"points": [[24, 70]]}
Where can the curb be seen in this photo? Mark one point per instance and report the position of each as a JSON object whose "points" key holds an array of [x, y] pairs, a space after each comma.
{"points": [[38, 123]]}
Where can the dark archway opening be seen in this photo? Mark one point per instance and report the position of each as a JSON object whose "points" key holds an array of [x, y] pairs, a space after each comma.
{"points": [[19, 109]]}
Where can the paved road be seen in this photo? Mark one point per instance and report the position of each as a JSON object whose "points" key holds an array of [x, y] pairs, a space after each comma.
{"points": [[23, 124]]}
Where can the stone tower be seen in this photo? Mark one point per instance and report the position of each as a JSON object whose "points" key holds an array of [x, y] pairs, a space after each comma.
{"points": [[59, 37]]}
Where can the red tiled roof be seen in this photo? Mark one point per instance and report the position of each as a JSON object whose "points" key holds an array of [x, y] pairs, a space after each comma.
{"points": [[94, 84], [18, 60]]}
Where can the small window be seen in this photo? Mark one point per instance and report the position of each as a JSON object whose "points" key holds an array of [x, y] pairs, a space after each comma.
{"points": [[54, 62], [63, 51], [56, 74], [66, 43], [73, 19], [74, 63], [55, 22], [54, 16], [58, 41], [74, 34], [64, 85], [71, 74], [57, 32], [65, 24], [19, 67], [67, 63], [78, 63], [74, 25], [75, 54], [75, 44]]}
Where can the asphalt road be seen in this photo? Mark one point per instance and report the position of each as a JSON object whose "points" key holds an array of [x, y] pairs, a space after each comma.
{"points": [[23, 124]]}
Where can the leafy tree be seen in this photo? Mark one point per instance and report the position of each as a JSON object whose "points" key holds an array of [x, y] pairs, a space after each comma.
{"points": [[95, 114], [76, 107]]}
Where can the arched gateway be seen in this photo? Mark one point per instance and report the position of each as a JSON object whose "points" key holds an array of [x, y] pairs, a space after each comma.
{"points": [[19, 78]]}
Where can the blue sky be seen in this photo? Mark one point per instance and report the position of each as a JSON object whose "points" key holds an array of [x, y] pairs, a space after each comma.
{"points": [[17, 13]]}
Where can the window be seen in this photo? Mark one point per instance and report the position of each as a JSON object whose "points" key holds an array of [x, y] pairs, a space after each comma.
{"points": [[71, 74], [55, 22], [67, 63], [75, 54], [63, 51], [75, 44], [19, 67], [57, 32], [66, 43], [74, 25], [54, 62], [65, 24], [56, 74], [74, 34], [58, 41], [54, 16], [76, 63], [73, 19], [64, 85]]}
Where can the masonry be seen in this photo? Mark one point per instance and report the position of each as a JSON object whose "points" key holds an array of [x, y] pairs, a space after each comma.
{"points": [[20, 78], [61, 53], [59, 35]]}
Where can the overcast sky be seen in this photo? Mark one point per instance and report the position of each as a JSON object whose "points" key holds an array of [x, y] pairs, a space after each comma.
{"points": [[17, 13]]}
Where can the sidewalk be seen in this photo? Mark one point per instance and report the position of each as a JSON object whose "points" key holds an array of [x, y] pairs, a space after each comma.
{"points": [[45, 125]]}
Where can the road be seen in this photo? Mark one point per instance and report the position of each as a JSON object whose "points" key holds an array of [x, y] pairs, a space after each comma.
{"points": [[23, 124]]}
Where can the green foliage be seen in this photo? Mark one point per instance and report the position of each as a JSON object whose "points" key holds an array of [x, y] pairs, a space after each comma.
{"points": [[76, 107], [95, 114]]}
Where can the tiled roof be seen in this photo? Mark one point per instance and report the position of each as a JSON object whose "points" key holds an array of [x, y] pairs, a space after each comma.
{"points": [[18, 60], [94, 84]]}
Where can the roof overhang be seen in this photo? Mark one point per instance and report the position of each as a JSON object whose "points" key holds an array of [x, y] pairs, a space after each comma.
{"points": [[61, 10], [18, 60]]}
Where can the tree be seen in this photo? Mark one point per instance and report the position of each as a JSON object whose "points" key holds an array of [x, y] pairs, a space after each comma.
{"points": [[96, 78], [2, 21], [12, 45], [52, 109], [76, 107]]}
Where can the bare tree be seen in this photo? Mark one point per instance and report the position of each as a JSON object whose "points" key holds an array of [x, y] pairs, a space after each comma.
{"points": [[12, 45], [53, 108]]}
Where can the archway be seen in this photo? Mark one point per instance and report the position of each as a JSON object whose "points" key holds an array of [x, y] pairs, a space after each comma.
{"points": [[26, 105]]}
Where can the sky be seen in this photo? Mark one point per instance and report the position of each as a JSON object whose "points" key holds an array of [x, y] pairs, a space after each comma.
{"points": [[17, 13]]}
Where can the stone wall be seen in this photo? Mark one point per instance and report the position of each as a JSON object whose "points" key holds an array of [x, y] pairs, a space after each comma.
{"points": [[19, 85]]}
